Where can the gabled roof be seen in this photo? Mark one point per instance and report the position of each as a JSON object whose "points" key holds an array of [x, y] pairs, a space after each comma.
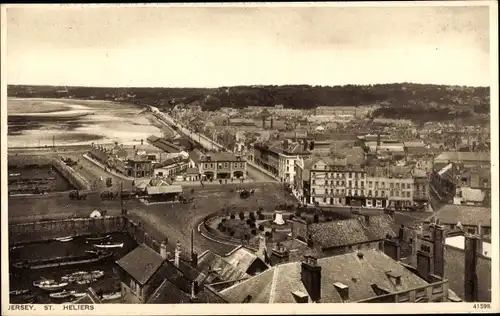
{"points": [[456, 156], [466, 215], [277, 284], [241, 258], [351, 231], [222, 269], [141, 263]]}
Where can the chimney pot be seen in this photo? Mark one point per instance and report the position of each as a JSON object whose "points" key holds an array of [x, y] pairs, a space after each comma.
{"points": [[311, 277]]}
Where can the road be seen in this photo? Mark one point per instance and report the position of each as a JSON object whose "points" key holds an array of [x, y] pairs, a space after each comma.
{"points": [[172, 221], [257, 175]]}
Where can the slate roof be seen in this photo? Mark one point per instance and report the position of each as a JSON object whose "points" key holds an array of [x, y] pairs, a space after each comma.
{"points": [[222, 156], [141, 263], [241, 258], [466, 215], [454, 271], [351, 231], [168, 293], [456, 156], [223, 270], [277, 284]]}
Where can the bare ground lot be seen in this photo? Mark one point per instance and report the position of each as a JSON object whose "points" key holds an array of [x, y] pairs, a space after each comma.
{"points": [[172, 221]]}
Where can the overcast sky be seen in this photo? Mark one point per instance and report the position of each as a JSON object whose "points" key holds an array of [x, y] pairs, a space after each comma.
{"points": [[210, 47]]}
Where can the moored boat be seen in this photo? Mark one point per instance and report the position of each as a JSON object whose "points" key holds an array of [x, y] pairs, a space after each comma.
{"points": [[29, 299], [38, 283], [82, 294], [111, 296], [98, 238], [96, 274], [98, 256], [109, 245], [19, 292], [62, 294], [54, 286], [75, 276], [65, 239]]}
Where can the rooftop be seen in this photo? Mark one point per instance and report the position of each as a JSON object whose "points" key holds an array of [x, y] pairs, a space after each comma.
{"points": [[141, 263], [221, 269], [220, 156], [358, 273], [351, 231], [457, 156], [466, 215]]}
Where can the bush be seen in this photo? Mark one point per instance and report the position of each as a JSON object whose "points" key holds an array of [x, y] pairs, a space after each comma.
{"points": [[261, 228], [268, 234], [249, 222], [231, 233], [291, 217], [246, 237], [261, 209], [223, 220], [254, 232], [252, 216], [261, 217], [298, 213], [316, 218], [242, 215]]}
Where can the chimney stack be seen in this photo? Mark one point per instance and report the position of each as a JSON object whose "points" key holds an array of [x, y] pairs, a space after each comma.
{"points": [[272, 123], [177, 254], [438, 239], [470, 286], [193, 290], [163, 250], [311, 277]]}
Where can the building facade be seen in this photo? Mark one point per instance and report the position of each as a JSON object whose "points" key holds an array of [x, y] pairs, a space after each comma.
{"points": [[280, 157], [326, 181], [217, 166]]}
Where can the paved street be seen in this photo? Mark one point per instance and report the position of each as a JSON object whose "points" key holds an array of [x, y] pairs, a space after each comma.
{"points": [[174, 221]]}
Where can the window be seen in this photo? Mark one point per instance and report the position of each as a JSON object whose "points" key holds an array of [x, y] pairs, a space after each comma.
{"points": [[211, 165], [376, 184], [337, 191], [383, 184], [392, 186], [408, 194], [324, 200], [338, 183], [397, 193], [313, 190], [314, 181], [349, 192], [362, 192], [376, 193], [205, 165], [326, 191], [369, 192], [356, 183], [397, 185], [350, 183], [362, 184], [314, 166], [370, 184]]}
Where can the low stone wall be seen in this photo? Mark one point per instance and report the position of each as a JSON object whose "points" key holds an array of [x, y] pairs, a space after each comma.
{"points": [[48, 230], [75, 179], [136, 230]]}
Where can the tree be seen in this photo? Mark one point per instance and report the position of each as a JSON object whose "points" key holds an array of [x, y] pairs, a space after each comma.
{"points": [[242, 215], [254, 232], [232, 216], [261, 228], [316, 218]]}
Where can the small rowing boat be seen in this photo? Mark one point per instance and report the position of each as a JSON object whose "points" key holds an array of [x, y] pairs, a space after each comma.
{"points": [[65, 239], [19, 292], [98, 238], [62, 294], [41, 282], [97, 274], [54, 286], [109, 245], [75, 276], [111, 296], [78, 295], [29, 299]]}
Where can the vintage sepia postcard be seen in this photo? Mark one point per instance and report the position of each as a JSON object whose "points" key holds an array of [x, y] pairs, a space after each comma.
{"points": [[249, 158]]}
